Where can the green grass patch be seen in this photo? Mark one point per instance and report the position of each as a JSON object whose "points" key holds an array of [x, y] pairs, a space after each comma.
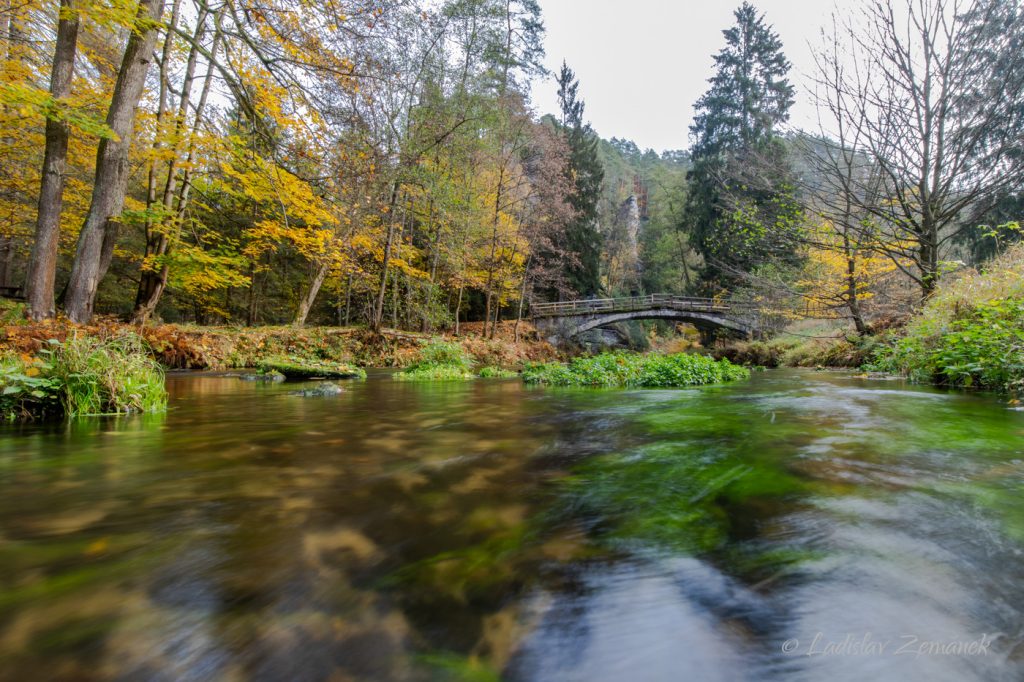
{"points": [[440, 361], [497, 373], [82, 376], [299, 368], [625, 370]]}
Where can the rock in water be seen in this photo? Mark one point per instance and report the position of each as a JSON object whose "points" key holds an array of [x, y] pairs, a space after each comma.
{"points": [[324, 390]]}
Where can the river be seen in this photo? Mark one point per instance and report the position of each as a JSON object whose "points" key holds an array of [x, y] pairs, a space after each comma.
{"points": [[799, 526]]}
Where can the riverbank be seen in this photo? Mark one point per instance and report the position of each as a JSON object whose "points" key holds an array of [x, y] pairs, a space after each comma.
{"points": [[222, 348], [969, 334]]}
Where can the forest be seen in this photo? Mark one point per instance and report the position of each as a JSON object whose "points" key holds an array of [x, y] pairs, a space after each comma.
{"points": [[380, 165]]}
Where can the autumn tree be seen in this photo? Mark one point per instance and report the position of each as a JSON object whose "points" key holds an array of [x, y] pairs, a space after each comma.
{"points": [[929, 92]]}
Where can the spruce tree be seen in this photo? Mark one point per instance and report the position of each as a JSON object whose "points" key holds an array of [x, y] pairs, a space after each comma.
{"points": [[587, 175], [740, 208]]}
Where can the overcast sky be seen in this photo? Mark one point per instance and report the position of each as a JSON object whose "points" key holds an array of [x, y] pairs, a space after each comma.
{"points": [[643, 63]]}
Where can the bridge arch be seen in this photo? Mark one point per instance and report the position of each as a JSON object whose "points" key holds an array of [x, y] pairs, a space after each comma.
{"points": [[565, 319], [700, 320]]}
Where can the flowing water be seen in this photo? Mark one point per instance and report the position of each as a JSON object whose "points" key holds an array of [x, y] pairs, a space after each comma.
{"points": [[800, 526]]}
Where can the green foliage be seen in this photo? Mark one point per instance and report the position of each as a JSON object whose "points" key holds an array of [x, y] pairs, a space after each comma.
{"points": [[440, 361], [741, 207], [587, 175], [497, 373], [971, 333], [636, 371], [982, 348], [445, 353], [26, 390], [82, 376]]}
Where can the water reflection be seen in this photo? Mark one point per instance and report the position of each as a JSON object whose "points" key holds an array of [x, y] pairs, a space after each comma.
{"points": [[483, 530]]}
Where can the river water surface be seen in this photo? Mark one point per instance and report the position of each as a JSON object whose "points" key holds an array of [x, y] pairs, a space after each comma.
{"points": [[799, 526]]}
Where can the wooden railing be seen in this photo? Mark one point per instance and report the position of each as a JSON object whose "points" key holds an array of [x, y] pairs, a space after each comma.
{"points": [[635, 303]]}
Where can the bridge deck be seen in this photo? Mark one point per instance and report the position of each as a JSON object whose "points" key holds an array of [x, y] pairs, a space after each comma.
{"points": [[634, 303]]}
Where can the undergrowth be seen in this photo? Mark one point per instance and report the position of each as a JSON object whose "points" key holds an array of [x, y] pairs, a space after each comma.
{"points": [[440, 361], [970, 334]]}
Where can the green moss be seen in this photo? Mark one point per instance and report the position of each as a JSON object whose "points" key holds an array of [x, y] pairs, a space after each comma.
{"points": [[299, 368], [640, 371]]}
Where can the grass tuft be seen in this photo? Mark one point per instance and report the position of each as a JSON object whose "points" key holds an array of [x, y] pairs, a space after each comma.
{"points": [[82, 376]]}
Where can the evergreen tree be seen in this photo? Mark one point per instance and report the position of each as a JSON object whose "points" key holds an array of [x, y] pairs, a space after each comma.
{"points": [[587, 175], [740, 207]]}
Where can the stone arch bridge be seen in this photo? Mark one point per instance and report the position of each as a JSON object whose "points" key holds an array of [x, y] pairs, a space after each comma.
{"points": [[562, 321]]}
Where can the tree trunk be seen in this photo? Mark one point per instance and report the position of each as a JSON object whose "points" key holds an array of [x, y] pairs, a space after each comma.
{"points": [[348, 300], [853, 302], [378, 312], [306, 304], [42, 268], [522, 298], [152, 283], [111, 181], [458, 308]]}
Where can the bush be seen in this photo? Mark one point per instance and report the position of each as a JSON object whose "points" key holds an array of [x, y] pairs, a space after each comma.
{"points": [[982, 348], [439, 361], [639, 371], [970, 334], [497, 373], [83, 376]]}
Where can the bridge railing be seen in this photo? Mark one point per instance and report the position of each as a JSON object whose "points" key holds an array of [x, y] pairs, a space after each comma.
{"points": [[602, 305]]}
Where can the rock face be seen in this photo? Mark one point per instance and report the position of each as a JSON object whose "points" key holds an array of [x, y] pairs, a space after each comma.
{"points": [[327, 389], [624, 248]]}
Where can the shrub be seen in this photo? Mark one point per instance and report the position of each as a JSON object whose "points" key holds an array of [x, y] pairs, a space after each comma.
{"points": [[970, 334], [632, 370], [497, 373], [445, 353], [27, 391], [983, 347]]}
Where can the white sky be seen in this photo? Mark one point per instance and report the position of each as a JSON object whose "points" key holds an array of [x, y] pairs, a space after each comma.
{"points": [[643, 63]]}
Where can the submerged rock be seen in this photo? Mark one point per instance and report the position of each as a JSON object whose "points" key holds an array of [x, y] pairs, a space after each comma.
{"points": [[325, 390]]}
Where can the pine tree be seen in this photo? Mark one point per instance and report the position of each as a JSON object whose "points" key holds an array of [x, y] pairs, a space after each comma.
{"points": [[739, 208], [587, 175]]}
